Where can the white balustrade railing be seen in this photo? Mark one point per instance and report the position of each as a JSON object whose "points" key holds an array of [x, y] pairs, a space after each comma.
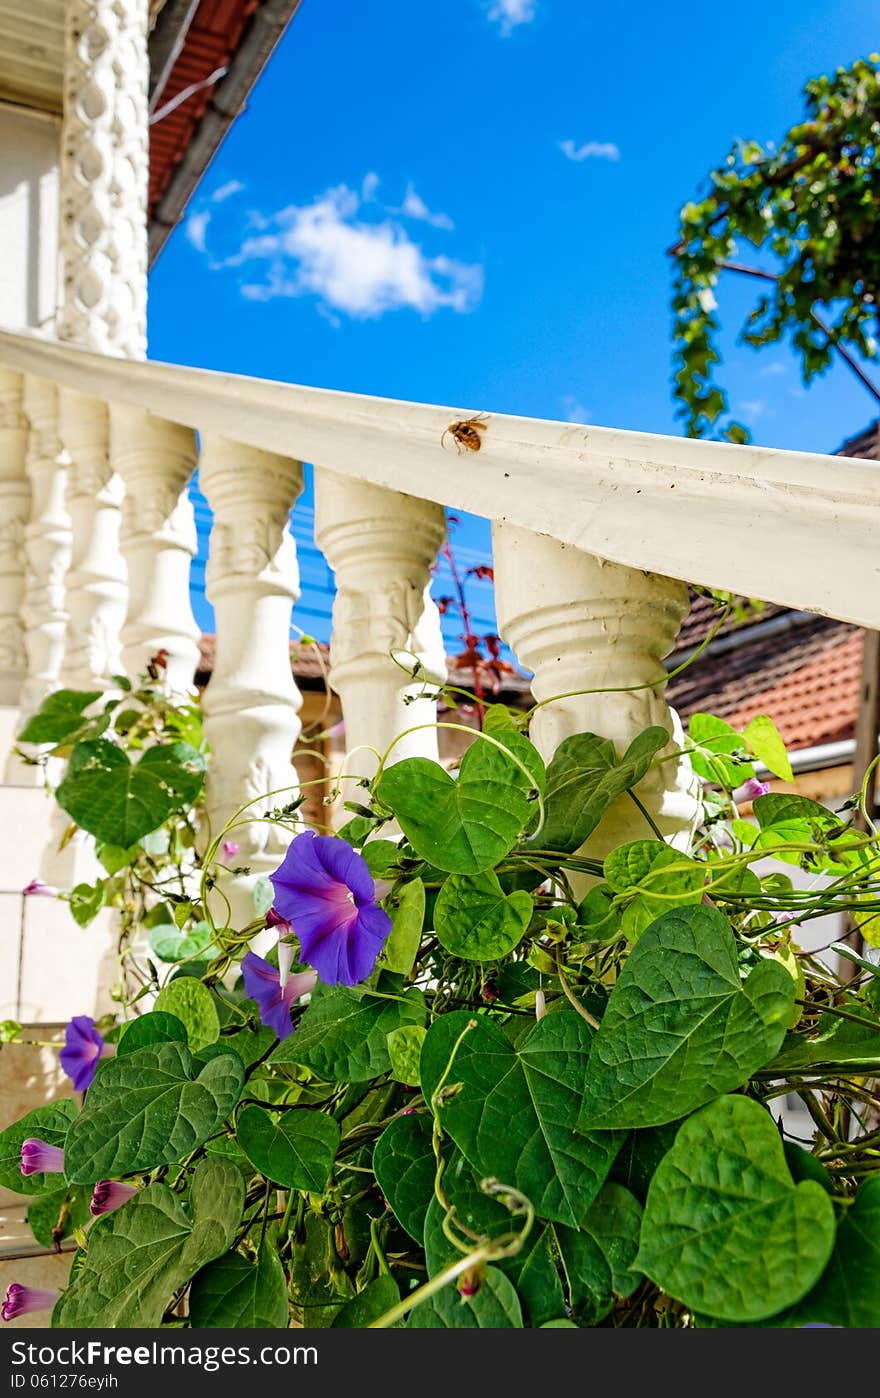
{"points": [[595, 533]]}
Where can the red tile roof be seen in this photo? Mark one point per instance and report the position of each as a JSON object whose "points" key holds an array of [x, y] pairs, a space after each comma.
{"points": [[210, 42], [817, 702]]}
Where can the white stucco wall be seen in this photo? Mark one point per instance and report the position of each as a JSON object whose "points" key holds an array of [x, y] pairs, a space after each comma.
{"points": [[29, 145]]}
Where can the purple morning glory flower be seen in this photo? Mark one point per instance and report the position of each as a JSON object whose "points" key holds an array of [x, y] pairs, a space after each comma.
{"points": [[750, 790], [82, 1049], [263, 984], [326, 891], [37, 1155], [21, 1300], [41, 889], [285, 946], [108, 1195]]}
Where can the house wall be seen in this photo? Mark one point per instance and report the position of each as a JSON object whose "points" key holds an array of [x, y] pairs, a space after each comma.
{"points": [[29, 150]]}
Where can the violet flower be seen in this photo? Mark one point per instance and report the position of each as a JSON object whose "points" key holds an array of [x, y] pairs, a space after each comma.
{"points": [[82, 1049], [263, 984], [750, 790], [21, 1300], [285, 947], [44, 890], [37, 1156], [230, 848], [325, 889], [108, 1195]]}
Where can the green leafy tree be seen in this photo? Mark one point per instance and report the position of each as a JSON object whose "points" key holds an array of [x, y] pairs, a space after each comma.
{"points": [[814, 201]]}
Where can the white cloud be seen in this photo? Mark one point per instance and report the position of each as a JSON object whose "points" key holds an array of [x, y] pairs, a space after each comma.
{"points": [[590, 150], [775, 367], [360, 268], [574, 409], [415, 207], [369, 186], [754, 407], [196, 229], [226, 191], [509, 13]]}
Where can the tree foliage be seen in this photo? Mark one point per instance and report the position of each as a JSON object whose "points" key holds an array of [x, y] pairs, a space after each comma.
{"points": [[813, 201]]}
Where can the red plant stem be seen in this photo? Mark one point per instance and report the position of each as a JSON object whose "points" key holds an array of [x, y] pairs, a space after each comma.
{"points": [[466, 620]]}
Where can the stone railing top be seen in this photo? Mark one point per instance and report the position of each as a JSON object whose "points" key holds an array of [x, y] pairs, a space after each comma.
{"points": [[795, 528]]}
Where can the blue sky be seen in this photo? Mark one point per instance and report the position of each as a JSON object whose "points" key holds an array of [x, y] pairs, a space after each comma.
{"points": [[468, 202]]}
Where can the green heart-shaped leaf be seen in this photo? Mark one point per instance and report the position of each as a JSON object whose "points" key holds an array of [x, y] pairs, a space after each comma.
{"points": [[119, 803], [681, 1027], [515, 1115], [598, 1258], [584, 777], [476, 920], [235, 1293], [140, 1254], [157, 1027], [468, 825], [377, 1297], [726, 1230], [50, 1124], [715, 742], [404, 1165], [295, 1149], [147, 1108], [792, 819], [764, 739], [343, 1034], [494, 1307], [405, 905], [59, 716], [405, 1050], [660, 878], [848, 1291], [170, 945], [532, 1270], [193, 1004]]}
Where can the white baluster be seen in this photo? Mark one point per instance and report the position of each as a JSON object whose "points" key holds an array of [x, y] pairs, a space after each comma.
{"points": [[14, 506], [47, 545], [96, 579], [155, 459], [581, 623], [251, 704], [381, 545]]}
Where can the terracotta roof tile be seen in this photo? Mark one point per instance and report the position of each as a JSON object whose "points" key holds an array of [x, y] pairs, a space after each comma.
{"points": [[817, 702]]}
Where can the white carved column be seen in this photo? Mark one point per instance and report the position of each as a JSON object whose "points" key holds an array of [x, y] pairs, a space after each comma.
{"points": [[14, 507], [251, 704], [96, 578], [381, 545], [581, 623], [155, 460], [104, 176], [103, 248]]}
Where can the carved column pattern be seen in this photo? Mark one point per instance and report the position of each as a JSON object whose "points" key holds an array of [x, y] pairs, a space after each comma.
{"points": [[579, 622], [104, 175], [381, 545], [14, 507], [96, 579], [155, 460], [251, 704], [47, 545]]}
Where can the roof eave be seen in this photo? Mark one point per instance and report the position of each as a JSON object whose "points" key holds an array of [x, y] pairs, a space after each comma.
{"points": [[267, 25]]}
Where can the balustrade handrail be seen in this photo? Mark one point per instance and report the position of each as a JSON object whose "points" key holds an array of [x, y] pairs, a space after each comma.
{"points": [[794, 528]]}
